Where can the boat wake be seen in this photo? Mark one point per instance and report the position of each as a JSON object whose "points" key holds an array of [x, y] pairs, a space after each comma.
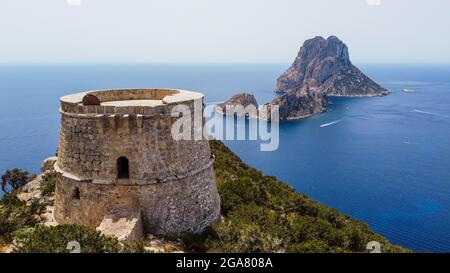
{"points": [[409, 90], [429, 113], [331, 123]]}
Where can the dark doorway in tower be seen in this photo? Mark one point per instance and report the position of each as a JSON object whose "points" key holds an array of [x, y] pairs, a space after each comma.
{"points": [[122, 168], [76, 194]]}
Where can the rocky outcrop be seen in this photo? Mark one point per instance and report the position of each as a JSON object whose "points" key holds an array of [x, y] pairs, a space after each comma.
{"points": [[235, 102], [325, 65], [48, 164], [299, 103], [32, 191]]}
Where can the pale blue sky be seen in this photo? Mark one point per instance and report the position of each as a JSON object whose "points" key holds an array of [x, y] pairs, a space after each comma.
{"points": [[395, 31]]}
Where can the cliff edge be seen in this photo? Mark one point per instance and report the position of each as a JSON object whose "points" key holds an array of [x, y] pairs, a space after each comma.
{"points": [[325, 64], [300, 103]]}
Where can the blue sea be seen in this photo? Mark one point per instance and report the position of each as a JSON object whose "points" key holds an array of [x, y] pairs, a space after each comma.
{"points": [[383, 160]]}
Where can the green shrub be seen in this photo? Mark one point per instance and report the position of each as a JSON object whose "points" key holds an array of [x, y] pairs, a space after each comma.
{"points": [[313, 246], [55, 239], [44, 239], [16, 214], [48, 183], [137, 246]]}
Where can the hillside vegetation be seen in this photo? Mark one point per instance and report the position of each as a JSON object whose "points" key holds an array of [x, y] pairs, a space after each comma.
{"points": [[259, 214], [263, 214]]}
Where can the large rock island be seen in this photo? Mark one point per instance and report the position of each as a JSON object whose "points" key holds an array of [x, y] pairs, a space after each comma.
{"points": [[321, 69], [325, 64]]}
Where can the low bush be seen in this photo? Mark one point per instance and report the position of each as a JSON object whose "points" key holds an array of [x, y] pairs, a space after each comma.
{"points": [[16, 214], [57, 239], [48, 183]]}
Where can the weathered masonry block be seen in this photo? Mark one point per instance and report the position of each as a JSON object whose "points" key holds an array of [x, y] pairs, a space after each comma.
{"points": [[116, 153]]}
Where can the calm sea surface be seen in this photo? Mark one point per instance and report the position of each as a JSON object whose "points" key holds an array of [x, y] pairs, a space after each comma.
{"points": [[385, 160]]}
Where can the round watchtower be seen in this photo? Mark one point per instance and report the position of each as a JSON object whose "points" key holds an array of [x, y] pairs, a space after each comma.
{"points": [[116, 152]]}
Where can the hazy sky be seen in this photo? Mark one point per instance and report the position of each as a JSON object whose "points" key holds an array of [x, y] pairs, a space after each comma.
{"points": [[220, 30]]}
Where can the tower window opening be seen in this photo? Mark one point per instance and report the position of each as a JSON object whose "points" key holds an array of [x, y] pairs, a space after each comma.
{"points": [[76, 194], [122, 168]]}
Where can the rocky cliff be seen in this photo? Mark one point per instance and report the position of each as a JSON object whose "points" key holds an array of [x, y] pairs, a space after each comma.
{"points": [[299, 103], [241, 99], [325, 65]]}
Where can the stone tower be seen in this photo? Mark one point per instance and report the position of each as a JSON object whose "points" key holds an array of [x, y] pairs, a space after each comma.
{"points": [[118, 163]]}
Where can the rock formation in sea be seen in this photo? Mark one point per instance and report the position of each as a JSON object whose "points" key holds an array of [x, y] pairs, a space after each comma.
{"points": [[233, 104], [325, 64], [299, 103], [321, 69]]}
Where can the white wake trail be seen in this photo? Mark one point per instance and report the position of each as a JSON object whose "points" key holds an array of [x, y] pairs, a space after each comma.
{"points": [[331, 123], [429, 113]]}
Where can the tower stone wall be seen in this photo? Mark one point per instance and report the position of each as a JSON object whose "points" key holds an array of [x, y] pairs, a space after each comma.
{"points": [[116, 152]]}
